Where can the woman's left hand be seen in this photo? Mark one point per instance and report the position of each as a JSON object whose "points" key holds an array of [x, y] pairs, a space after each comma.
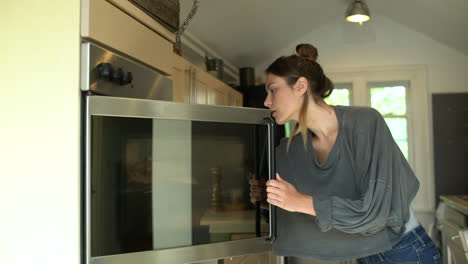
{"points": [[284, 195]]}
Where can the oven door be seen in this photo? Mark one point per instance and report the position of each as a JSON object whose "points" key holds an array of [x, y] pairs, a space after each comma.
{"points": [[168, 182]]}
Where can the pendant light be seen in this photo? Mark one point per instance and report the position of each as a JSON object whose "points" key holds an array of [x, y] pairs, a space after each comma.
{"points": [[358, 12]]}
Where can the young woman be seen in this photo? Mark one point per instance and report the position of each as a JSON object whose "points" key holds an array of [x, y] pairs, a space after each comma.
{"points": [[343, 188]]}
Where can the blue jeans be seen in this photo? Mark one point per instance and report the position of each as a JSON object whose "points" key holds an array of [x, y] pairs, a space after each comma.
{"points": [[414, 247]]}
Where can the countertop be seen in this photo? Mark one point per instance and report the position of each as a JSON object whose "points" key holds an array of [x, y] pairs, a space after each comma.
{"points": [[457, 202]]}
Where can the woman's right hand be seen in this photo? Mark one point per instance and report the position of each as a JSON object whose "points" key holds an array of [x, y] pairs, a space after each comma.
{"points": [[258, 192]]}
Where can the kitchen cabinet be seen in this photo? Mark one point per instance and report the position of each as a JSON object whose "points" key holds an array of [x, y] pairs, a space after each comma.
{"points": [[235, 98], [211, 90], [217, 92], [194, 85], [105, 23], [181, 79], [201, 88]]}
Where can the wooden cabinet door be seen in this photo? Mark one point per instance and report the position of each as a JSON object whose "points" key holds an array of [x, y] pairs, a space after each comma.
{"points": [[240, 99], [201, 87], [235, 98], [213, 90], [180, 76], [217, 96], [194, 85]]}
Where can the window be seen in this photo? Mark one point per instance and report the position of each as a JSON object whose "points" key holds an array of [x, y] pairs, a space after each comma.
{"points": [[389, 98], [340, 95]]}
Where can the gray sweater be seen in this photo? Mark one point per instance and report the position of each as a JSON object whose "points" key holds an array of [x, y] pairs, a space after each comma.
{"points": [[362, 192]]}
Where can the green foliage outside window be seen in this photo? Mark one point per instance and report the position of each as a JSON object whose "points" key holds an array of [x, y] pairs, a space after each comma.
{"points": [[389, 100], [338, 97]]}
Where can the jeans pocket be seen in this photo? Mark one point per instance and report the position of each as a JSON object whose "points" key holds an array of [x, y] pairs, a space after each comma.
{"points": [[405, 255], [430, 254]]}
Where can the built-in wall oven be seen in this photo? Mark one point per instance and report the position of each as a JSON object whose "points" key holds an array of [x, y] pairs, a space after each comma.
{"points": [[167, 182]]}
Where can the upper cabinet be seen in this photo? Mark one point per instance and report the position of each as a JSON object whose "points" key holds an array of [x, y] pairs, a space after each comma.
{"points": [[120, 25], [194, 85], [210, 90], [236, 98], [182, 79], [105, 23]]}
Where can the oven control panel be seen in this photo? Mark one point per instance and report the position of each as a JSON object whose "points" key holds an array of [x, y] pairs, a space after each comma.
{"points": [[105, 72]]}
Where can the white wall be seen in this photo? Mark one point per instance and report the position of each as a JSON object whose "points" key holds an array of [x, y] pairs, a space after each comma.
{"points": [[384, 42], [39, 133]]}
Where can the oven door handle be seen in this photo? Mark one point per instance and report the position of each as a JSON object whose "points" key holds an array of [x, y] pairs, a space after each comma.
{"points": [[271, 174]]}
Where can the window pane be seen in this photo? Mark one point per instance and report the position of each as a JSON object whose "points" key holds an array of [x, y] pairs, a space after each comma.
{"points": [[389, 100], [338, 97], [287, 129], [399, 128]]}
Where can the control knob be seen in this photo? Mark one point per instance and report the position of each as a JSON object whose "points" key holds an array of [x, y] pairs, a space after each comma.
{"points": [[104, 71]]}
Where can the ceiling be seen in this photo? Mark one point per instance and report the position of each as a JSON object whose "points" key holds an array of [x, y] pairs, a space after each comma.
{"points": [[246, 32]]}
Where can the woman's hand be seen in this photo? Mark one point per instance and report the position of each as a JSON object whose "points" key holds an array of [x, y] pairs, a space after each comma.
{"points": [[258, 192], [284, 195]]}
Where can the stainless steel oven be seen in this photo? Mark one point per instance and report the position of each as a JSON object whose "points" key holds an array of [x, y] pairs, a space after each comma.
{"points": [[167, 182]]}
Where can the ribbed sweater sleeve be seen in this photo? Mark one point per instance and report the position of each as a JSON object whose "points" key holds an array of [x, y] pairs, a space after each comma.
{"points": [[388, 183]]}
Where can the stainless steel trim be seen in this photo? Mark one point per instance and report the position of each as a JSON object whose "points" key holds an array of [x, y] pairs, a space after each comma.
{"points": [[190, 254], [127, 107], [147, 82], [85, 60], [270, 143], [87, 182], [272, 175], [140, 108]]}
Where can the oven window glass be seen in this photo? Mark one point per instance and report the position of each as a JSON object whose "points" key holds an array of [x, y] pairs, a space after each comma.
{"points": [[158, 184]]}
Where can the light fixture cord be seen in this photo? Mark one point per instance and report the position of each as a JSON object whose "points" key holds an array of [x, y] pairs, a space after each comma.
{"points": [[178, 43]]}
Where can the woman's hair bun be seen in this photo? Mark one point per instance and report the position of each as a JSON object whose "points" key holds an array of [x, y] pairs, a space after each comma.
{"points": [[307, 51]]}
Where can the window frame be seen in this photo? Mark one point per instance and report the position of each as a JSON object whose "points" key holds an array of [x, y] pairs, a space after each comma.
{"points": [[407, 115]]}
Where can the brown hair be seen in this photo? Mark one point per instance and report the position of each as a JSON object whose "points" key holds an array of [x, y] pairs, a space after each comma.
{"points": [[304, 64]]}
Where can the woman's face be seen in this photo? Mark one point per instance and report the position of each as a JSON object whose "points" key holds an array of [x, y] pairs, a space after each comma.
{"points": [[283, 100]]}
